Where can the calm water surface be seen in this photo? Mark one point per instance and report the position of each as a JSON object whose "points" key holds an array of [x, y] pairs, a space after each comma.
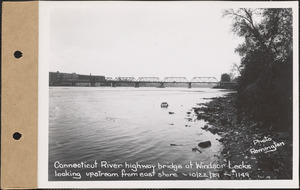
{"points": [[127, 124]]}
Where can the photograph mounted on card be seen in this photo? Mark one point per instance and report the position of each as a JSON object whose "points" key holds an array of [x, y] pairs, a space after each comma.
{"points": [[137, 91], [160, 94]]}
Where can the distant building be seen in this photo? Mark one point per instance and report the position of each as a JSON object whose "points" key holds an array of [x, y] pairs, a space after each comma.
{"points": [[73, 79]]}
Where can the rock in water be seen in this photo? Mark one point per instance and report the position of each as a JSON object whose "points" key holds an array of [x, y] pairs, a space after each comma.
{"points": [[164, 105], [204, 144], [175, 144], [196, 149]]}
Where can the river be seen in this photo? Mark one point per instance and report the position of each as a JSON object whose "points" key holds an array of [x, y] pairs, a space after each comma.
{"points": [[127, 124]]}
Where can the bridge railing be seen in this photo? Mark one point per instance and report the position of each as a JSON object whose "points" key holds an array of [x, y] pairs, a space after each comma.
{"points": [[204, 79], [148, 79], [125, 79], [175, 79]]}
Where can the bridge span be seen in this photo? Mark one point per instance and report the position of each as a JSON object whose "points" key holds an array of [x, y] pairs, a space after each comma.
{"points": [[73, 79], [157, 80]]}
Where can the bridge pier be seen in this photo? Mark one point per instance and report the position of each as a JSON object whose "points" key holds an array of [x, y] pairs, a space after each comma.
{"points": [[113, 84], [136, 84], [190, 85], [162, 85]]}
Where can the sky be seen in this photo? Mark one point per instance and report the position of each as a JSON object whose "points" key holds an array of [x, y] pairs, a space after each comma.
{"points": [[142, 39]]}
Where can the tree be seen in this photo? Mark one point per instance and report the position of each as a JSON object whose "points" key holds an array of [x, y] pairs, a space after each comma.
{"points": [[225, 77], [265, 84], [236, 69], [267, 29]]}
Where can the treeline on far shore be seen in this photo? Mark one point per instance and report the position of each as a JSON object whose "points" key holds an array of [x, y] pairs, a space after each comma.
{"points": [[265, 83]]}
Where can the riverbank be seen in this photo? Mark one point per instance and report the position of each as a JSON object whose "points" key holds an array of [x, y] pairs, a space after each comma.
{"points": [[269, 153]]}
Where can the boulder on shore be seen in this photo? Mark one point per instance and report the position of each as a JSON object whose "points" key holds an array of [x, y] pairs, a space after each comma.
{"points": [[205, 126], [204, 144], [213, 129]]}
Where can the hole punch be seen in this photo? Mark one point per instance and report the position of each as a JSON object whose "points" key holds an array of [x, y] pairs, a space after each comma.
{"points": [[18, 54], [17, 135]]}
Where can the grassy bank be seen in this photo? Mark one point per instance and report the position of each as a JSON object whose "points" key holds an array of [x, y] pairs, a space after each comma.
{"points": [[268, 152]]}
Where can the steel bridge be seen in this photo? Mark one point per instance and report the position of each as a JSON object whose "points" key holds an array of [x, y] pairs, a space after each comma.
{"points": [[174, 80], [73, 79]]}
